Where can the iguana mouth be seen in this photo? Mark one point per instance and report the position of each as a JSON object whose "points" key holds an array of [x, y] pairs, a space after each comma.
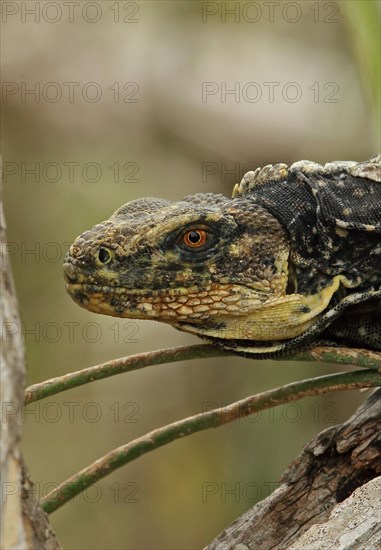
{"points": [[220, 311], [167, 305]]}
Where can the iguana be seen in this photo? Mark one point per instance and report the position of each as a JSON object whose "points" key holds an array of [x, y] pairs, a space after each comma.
{"points": [[294, 257]]}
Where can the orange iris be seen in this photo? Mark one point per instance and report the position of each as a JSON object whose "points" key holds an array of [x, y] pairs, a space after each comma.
{"points": [[195, 238]]}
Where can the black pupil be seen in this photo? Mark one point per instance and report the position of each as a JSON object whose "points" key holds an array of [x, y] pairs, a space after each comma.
{"points": [[103, 255], [194, 237]]}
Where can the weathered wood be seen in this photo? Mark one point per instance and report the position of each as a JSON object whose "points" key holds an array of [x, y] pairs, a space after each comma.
{"points": [[330, 468], [354, 524], [23, 523]]}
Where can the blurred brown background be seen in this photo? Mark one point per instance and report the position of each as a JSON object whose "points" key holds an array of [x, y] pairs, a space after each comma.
{"points": [[132, 99]]}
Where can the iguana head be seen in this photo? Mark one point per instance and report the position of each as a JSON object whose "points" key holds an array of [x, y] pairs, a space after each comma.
{"points": [[209, 265], [262, 273]]}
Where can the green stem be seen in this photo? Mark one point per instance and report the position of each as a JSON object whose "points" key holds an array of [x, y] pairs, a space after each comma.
{"points": [[202, 421], [50, 387], [118, 366]]}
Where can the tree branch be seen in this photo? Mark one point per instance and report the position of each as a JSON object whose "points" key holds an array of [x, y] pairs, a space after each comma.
{"points": [[24, 524], [211, 419], [118, 366], [361, 358], [331, 467]]}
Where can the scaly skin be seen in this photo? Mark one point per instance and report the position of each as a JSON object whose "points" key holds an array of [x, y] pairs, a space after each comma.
{"points": [[260, 274]]}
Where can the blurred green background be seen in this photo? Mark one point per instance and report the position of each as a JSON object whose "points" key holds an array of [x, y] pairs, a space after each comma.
{"points": [[147, 113]]}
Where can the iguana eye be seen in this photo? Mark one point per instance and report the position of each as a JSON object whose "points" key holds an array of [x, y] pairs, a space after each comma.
{"points": [[195, 238], [104, 255]]}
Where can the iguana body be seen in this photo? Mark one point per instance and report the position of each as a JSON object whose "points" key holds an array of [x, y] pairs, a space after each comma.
{"points": [[294, 257]]}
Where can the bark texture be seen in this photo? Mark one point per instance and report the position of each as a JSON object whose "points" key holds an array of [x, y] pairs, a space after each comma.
{"points": [[331, 467], [23, 523], [353, 524]]}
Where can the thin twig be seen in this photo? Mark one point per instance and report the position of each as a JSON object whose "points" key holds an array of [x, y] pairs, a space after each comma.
{"points": [[361, 358], [119, 366], [202, 421]]}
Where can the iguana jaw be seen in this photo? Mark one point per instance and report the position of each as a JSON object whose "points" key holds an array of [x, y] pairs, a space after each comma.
{"points": [[218, 311], [166, 305], [279, 319]]}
